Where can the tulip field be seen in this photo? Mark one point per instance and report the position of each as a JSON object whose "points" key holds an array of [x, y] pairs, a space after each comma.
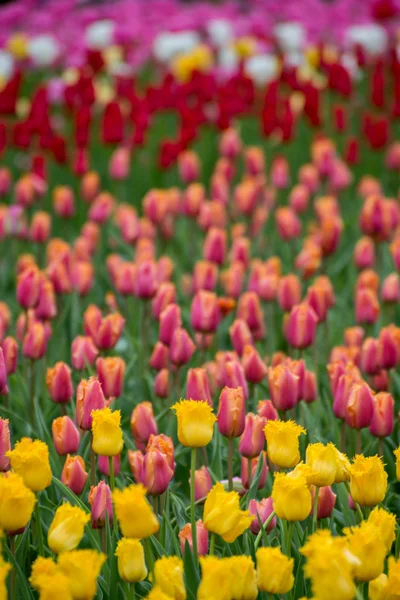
{"points": [[199, 300]]}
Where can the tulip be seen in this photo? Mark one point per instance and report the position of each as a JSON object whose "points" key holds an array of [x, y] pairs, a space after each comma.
{"points": [[161, 385], [231, 412], [156, 472], [67, 528], [205, 313], [188, 166], [63, 201], [181, 348], [385, 524], [300, 328], [252, 440], [170, 320], [135, 515], [382, 421], [266, 409], [35, 342], [222, 514], [274, 571], [110, 371], [165, 295], [106, 431], [360, 406], [10, 353], [3, 374], [168, 576], [214, 247], [283, 442], [90, 186], [83, 352], [353, 336], [391, 288], [388, 348], [291, 495], [342, 467], [159, 357], [82, 568], [89, 397], [366, 306], [185, 537], [240, 335], [198, 386], [205, 276], [253, 365], [252, 464], [287, 223], [100, 501], [28, 287], [143, 423], [59, 383], [16, 503], [30, 460], [5, 445], [283, 387], [289, 292], [368, 480], [202, 483], [195, 422], [326, 502], [131, 563], [364, 253], [65, 436], [261, 511], [104, 464], [74, 475], [249, 309], [322, 461], [368, 548], [217, 578], [370, 359]]}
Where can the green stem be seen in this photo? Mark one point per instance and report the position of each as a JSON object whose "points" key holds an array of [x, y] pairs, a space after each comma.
{"points": [[230, 464], [149, 556], [132, 592], [192, 505], [212, 544], [289, 539], [249, 472], [264, 528], [13, 581], [358, 508], [92, 462], [112, 486], [315, 510], [39, 531]]}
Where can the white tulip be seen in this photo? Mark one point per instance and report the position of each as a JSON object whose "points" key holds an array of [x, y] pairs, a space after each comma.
{"points": [[290, 36], [100, 35], [6, 65], [261, 68], [43, 50], [220, 32], [167, 45], [371, 37]]}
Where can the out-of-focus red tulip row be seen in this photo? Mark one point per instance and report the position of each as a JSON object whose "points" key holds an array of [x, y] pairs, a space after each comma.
{"points": [[199, 322]]}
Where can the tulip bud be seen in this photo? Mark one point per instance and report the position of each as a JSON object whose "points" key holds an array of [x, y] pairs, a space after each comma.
{"points": [[353, 336], [59, 383], [390, 291], [310, 392], [301, 326], [40, 227], [170, 319], [360, 406], [83, 352], [254, 466], [181, 348], [252, 441], [159, 357], [205, 275], [74, 475], [202, 483], [364, 253], [131, 562], [100, 501], [249, 309], [28, 287], [232, 279], [261, 511], [3, 374], [341, 394], [5, 445], [326, 502], [318, 299], [388, 348], [161, 385], [143, 424], [165, 295], [299, 198], [289, 292], [10, 353], [369, 358], [104, 464], [146, 280], [366, 306], [231, 412], [287, 223], [204, 312], [198, 386], [46, 307], [283, 387], [253, 365], [383, 415], [35, 342], [193, 198], [63, 201], [156, 472], [214, 247], [188, 166], [118, 166], [89, 397], [185, 535], [230, 145], [111, 371], [233, 376], [266, 409], [240, 335], [65, 436]]}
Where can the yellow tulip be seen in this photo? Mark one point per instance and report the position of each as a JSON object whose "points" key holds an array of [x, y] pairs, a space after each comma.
{"points": [[82, 568], [368, 480], [195, 423], [157, 594], [30, 459], [397, 455], [56, 586], [42, 569], [131, 563], [342, 467], [16, 502], [323, 463], [291, 496], [67, 528], [376, 587], [5, 568], [274, 571], [392, 587], [168, 575], [222, 514], [216, 579], [245, 46], [107, 432], [366, 544], [17, 45], [244, 580], [385, 523], [283, 442], [135, 515]]}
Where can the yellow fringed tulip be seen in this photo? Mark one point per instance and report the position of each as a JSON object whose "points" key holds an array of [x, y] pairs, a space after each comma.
{"points": [[107, 432], [67, 528], [82, 568], [342, 467], [244, 580], [157, 594], [291, 496], [392, 587], [376, 587], [135, 515], [16, 503], [222, 514], [30, 459], [366, 544], [216, 579], [195, 423], [274, 571], [5, 568], [42, 569], [131, 563], [322, 461], [385, 523], [368, 480], [283, 442], [397, 456], [168, 576]]}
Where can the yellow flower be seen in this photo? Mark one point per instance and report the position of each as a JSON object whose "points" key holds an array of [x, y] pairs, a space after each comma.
{"points": [[184, 65], [245, 46], [222, 514], [168, 575], [134, 513], [56, 586], [342, 467], [244, 581], [291, 496], [30, 459], [67, 528], [216, 579], [274, 571], [368, 480], [283, 442], [16, 502], [157, 594], [131, 563], [107, 432], [42, 569], [17, 45], [366, 544], [376, 587], [385, 522], [5, 568], [330, 566], [312, 55], [323, 462], [391, 591], [195, 423], [82, 567], [397, 455]]}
